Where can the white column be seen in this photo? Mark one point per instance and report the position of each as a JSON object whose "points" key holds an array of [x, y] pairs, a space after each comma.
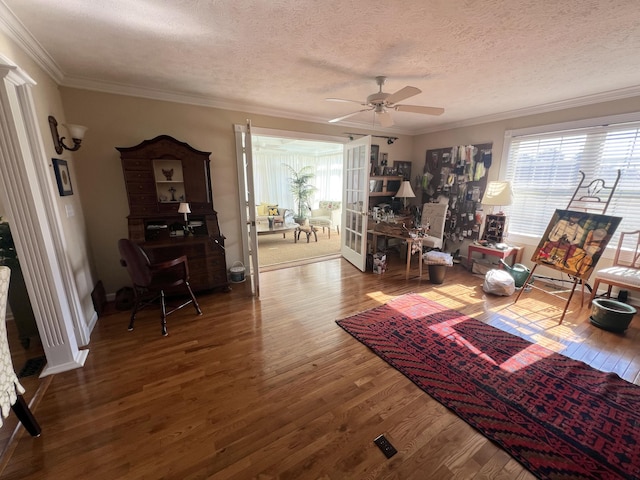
{"points": [[33, 220]]}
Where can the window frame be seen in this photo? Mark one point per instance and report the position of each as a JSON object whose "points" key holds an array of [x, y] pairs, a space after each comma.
{"points": [[559, 128]]}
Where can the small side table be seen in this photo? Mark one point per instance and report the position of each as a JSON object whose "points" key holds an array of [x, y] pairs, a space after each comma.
{"points": [[308, 230], [510, 251], [375, 234]]}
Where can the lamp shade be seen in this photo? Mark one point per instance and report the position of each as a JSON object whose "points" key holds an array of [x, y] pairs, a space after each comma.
{"points": [[76, 131], [405, 190], [498, 193], [184, 208]]}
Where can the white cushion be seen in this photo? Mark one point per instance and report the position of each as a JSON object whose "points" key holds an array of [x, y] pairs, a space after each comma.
{"points": [[438, 258], [321, 221], [630, 276], [431, 242]]}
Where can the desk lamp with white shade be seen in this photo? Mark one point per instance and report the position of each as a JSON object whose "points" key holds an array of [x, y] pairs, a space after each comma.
{"points": [[184, 208], [405, 191]]}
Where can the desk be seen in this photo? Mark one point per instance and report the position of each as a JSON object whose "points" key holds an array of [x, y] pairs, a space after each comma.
{"points": [[493, 252], [205, 254], [409, 240]]}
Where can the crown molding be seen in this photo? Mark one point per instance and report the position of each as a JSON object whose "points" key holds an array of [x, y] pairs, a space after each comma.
{"points": [[165, 95], [200, 100], [10, 24], [613, 95], [171, 96]]}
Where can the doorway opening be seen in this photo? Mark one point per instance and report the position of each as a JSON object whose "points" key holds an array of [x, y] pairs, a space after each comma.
{"points": [[276, 160]]}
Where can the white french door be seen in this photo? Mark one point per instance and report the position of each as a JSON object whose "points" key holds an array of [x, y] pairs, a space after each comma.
{"points": [[358, 182], [356, 201], [249, 234]]}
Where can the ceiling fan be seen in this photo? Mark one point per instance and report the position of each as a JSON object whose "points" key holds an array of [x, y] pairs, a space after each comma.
{"points": [[381, 103]]}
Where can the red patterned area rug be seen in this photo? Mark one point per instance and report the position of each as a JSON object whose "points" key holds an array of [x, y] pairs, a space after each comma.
{"points": [[559, 417]]}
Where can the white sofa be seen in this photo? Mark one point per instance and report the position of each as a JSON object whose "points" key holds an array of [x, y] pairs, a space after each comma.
{"points": [[327, 215]]}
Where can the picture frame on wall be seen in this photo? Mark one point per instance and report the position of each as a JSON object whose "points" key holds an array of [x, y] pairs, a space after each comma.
{"points": [[403, 168], [63, 178], [375, 151]]}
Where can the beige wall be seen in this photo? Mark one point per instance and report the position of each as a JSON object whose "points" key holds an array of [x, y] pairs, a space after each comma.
{"points": [[123, 121], [48, 102], [494, 132], [99, 199]]}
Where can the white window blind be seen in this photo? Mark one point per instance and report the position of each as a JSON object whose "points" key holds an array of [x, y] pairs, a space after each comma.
{"points": [[544, 170]]}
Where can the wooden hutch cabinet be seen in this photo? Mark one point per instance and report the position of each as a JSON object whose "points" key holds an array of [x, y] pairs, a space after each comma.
{"points": [[160, 174]]}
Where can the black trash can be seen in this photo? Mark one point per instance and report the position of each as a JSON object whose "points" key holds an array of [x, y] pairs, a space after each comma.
{"points": [[436, 273]]}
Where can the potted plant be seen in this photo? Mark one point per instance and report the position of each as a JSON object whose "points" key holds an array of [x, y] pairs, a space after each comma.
{"points": [[302, 191]]}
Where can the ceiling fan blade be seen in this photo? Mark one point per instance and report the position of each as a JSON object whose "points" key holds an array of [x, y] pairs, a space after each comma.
{"points": [[403, 93], [419, 109], [334, 120], [385, 119], [344, 100]]}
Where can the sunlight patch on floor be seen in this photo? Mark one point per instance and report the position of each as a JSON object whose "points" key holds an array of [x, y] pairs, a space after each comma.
{"points": [[378, 296], [450, 295], [539, 322]]}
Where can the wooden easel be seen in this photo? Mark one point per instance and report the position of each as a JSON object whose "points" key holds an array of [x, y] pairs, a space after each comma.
{"points": [[591, 198]]}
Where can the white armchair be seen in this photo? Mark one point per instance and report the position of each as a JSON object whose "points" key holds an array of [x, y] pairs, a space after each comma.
{"points": [[327, 215]]}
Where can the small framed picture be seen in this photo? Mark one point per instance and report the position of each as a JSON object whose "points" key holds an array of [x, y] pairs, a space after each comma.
{"points": [[385, 158], [403, 168], [375, 150], [63, 178]]}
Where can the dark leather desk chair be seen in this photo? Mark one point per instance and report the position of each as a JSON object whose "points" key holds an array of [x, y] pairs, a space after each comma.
{"points": [[152, 281]]}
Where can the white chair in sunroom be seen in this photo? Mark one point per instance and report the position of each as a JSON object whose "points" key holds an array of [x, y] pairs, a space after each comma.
{"points": [[327, 215]]}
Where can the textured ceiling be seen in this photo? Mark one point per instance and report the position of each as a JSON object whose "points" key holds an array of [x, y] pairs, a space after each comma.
{"points": [[479, 59]]}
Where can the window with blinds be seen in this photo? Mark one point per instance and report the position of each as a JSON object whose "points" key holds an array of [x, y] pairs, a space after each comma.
{"points": [[544, 169]]}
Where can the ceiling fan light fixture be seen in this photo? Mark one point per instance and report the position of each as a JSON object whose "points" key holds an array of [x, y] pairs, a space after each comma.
{"points": [[381, 102]]}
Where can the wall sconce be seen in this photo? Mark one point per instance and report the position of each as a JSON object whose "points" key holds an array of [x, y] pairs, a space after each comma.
{"points": [[76, 132]]}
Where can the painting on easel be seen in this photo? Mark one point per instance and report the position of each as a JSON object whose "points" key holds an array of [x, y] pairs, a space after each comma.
{"points": [[574, 241]]}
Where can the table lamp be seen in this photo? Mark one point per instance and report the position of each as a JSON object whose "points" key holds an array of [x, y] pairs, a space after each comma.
{"points": [[184, 208], [497, 193], [405, 191]]}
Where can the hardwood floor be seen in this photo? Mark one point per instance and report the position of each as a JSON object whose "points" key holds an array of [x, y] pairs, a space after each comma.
{"points": [[273, 388]]}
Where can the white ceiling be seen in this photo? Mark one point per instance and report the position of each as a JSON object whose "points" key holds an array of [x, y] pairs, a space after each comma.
{"points": [[479, 59]]}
